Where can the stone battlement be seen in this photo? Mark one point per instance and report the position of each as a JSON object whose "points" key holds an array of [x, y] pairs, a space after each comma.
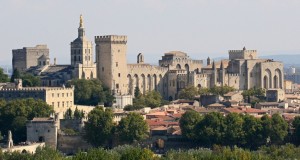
{"points": [[36, 89], [239, 51], [111, 39], [233, 74], [182, 61], [147, 67]]}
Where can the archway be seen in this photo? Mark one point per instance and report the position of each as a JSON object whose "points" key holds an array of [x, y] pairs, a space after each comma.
{"points": [[130, 85], [149, 81], [155, 82], [268, 73], [178, 66], [278, 73], [266, 82], [275, 81], [143, 85]]}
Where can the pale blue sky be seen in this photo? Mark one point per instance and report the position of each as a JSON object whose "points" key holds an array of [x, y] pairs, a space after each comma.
{"points": [[197, 27]]}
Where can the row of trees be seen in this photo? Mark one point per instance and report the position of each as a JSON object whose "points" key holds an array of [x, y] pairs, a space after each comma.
{"points": [[76, 115], [14, 115], [3, 77], [151, 99], [100, 128], [234, 129], [136, 153], [91, 92], [190, 92], [258, 94]]}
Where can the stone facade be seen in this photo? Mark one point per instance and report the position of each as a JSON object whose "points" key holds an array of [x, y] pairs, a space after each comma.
{"points": [[243, 70], [43, 130], [28, 56]]}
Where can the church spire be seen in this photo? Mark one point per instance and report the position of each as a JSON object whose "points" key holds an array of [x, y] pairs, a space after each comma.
{"points": [[81, 31]]}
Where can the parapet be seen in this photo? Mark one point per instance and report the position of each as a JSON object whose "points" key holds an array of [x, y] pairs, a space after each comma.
{"points": [[242, 54], [111, 39]]}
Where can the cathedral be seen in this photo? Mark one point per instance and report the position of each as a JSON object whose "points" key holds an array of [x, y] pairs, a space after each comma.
{"points": [[175, 70]]}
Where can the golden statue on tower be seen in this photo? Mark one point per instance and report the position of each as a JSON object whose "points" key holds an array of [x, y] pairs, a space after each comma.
{"points": [[81, 21]]}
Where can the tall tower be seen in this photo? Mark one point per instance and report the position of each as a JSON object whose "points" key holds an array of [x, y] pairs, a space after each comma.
{"points": [[111, 62], [82, 55]]}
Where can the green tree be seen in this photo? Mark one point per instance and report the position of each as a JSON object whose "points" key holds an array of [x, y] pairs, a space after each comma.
{"points": [[78, 114], [296, 125], [3, 77], [132, 107], [127, 152], [91, 92], [279, 129], [211, 129], [47, 153], [153, 99], [137, 92], [29, 80], [221, 90], [203, 91], [254, 92], [267, 128], [16, 75], [234, 132], [133, 127], [188, 93], [97, 154], [68, 114], [99, 126], [150, 99], [188, 123], [253, 130]]}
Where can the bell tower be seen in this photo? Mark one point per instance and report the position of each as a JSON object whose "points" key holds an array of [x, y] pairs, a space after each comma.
{"points": [[82, 55]]}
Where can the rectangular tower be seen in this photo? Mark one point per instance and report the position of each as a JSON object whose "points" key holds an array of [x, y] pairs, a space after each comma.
{"points": [[28, 56], [111, 62]]}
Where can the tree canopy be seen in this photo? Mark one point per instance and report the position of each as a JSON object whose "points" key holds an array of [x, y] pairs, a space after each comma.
{"points": [[91, 92], [188, 122], [28, 80], [188, 93], [99, 126], [132, 128], [259, 93], [234, 129], [296, 125], [151, 99], [3, 77]]}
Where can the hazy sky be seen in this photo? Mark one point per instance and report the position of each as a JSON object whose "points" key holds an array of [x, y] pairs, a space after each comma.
{"points": [[200, 28]]}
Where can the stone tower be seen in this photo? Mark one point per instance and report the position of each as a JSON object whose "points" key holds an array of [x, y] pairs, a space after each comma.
{"points": [[82, 55], [111, 62]]}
